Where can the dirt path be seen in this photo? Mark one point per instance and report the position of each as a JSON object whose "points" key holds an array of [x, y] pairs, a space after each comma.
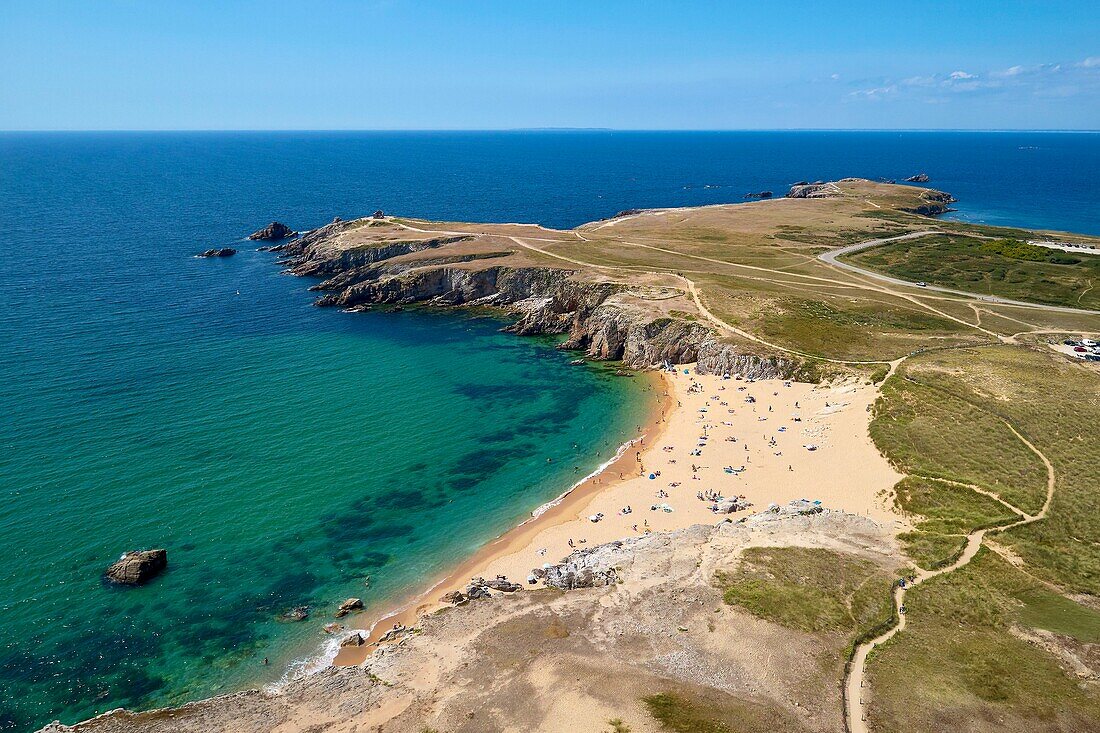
{"points": [[854, 717]]}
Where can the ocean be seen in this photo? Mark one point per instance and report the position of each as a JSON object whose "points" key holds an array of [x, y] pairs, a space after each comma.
{"points": [[293, 456]]}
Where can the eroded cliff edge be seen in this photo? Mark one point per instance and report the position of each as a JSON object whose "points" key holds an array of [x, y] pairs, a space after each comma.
{"points": [[375, 262]]}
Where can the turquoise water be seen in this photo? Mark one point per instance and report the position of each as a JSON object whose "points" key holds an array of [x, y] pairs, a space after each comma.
{"points": [[283, 453]]}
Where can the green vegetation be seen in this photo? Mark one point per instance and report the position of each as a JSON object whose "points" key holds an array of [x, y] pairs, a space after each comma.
{"points": [[840, 328], [948, 513], [948, 508], [687, 713], [618, 726], [1008, 268], [676, 713], [810, 590], [1056, 405], [958, 661], [931, 432], [963, 656], [931, 550]]}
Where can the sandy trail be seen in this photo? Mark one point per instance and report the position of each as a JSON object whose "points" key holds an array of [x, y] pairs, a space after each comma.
{"points": [[854, 716]]}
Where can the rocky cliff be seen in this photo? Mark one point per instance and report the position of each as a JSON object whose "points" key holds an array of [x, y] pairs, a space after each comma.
{"points": [[604, 319]]}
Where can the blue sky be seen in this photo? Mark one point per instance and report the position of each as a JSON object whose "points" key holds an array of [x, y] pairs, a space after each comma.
{"points": [[394, 64]]}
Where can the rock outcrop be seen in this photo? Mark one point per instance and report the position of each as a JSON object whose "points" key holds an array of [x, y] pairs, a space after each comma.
{"points": [[223, 252], [934, 203], [273, 232], [816, 190], [138, 567], [919, 178], [599, 317], [759, 195], [351, 604], [586, 568]]}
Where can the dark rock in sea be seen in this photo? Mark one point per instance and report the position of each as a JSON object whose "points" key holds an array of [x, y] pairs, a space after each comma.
{"points": [[760, 195], [919, 178], [138, 567], [223, 252], [273, 232], [355, 639], [378, 215], [333, 628], [801, 183], [351, 604], [293, 615]]}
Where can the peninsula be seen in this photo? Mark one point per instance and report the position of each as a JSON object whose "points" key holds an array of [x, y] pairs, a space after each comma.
{"points": [[867, 502]]}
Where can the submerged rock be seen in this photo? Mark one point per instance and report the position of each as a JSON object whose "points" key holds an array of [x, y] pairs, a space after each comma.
{"points": [[223, 252], [138, 567], [293, 615], [273, 232]]}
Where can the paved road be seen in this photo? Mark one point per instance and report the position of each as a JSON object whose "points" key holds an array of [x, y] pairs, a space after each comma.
{"points": [[831, 256]]}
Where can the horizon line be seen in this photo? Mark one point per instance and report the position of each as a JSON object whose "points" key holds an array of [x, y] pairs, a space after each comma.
{"points": [[543, 129]]}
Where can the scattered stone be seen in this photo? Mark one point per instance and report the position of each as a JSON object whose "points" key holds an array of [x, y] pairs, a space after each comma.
{"points": [[355, 639], [919, 178], [223, 252], [273, 232], [138, 567]]}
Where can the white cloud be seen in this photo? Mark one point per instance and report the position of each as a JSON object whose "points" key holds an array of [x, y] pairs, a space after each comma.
{"points": [[1049, 79]]}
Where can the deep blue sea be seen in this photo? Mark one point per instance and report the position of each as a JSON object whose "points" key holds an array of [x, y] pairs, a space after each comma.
{"points": [[284, 453]]}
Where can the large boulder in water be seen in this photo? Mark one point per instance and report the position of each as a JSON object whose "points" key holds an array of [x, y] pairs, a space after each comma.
{"points": [[223, 252], [273, 232], [140, 566], [919, 178]]}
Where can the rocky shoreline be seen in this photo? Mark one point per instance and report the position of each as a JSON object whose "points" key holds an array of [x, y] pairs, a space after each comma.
{"points": [[595, 315]]}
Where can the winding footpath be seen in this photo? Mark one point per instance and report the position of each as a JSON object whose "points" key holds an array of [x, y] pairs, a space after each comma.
{"points": [[854, 717]]}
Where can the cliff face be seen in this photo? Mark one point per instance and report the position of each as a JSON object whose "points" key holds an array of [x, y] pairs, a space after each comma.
{"points": [[600, 318]]}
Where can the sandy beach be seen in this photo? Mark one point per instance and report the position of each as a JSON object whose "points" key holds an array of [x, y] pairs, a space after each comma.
{"points": [[764, 442]]}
